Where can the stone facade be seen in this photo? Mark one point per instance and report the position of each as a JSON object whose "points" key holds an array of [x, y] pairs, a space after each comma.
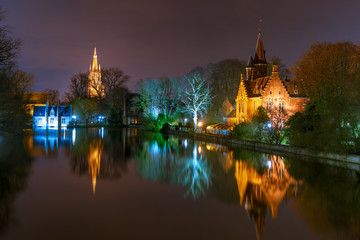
{"points": [[258, 89]]}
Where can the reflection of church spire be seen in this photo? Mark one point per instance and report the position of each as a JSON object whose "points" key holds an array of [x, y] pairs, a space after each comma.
{"points": [[260, 191], [94, 161]]}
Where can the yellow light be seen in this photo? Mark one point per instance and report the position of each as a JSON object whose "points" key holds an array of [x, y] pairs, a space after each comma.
{"points": [[200, 124]]}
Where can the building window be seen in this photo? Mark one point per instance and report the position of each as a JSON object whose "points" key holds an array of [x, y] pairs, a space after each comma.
{"points": [[279, 92], [40, 120], [63, 120], [51, 120], [270, 92], [281, 107], [268, 106], [254, 105]]}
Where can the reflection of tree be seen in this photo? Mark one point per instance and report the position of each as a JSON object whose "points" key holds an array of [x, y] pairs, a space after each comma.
{"points": [[15, 164], [330, 200], [197, 174], [260, 190], [167, 161]]}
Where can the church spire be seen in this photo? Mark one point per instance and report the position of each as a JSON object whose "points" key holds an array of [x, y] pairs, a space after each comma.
{"points": [[95, 63], [260, 52]]}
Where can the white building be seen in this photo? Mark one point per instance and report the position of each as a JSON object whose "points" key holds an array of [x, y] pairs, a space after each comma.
{"points": [[51, 116]]}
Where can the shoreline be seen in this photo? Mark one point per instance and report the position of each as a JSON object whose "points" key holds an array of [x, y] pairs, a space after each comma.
{"points": [[283, 150]]}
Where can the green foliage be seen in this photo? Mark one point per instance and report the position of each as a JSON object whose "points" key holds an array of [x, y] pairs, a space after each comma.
{"points": [[224, 80], [254, 130], [13, 113], [260, 115], [331, 75], [85, 108]]}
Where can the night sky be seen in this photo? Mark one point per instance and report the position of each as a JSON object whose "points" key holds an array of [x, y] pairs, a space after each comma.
{"points": [[154, 38]]}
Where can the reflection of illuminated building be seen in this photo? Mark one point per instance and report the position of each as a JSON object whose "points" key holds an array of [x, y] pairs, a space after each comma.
{"points": [[94, 158], [47, 142], [228, 160], [262, 190]]}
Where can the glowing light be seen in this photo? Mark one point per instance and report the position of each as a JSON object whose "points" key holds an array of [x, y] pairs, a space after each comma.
{"points": [[73, 135], [268, 163], [269, 125], [74, 117], [185, 143], [199, 149], [200, 124]]}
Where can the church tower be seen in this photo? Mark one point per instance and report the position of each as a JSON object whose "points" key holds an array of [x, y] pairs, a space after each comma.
{"points": [[257, 66], [260, 59], [95, 86]]}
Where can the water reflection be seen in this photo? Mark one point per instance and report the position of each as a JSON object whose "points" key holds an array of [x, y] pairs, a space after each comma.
{"points": [[326, 198], [99, 154], [263, 190], [15, 166]]}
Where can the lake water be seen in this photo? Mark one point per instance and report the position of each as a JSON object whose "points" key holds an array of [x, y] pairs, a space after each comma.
{"points": [[114, 184]]}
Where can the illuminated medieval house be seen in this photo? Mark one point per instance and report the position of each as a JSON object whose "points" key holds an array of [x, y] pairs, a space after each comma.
{"points": [[54, 117], [259, 89], [95, 86]]}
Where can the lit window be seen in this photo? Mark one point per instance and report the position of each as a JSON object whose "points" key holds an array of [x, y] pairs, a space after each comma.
{"points": [[51, 120], [268, 106], [281, 107], [40, 120]]}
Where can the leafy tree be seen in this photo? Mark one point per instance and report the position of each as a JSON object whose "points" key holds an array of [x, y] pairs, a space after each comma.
{"points": [[85, 108], [331, 74], [197, 96], [224, 80]]}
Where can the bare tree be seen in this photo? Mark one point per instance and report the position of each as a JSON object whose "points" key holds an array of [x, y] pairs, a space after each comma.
{"points": [[54, 96], [197, 96], [113, 78], [78, 87], [9, 46]]}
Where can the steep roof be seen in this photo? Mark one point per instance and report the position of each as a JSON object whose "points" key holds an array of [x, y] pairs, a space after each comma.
{"points": [[39, 111], [259, 52]]}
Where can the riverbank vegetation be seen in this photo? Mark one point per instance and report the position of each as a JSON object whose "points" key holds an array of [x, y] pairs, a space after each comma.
{"points": [[14, 83]]}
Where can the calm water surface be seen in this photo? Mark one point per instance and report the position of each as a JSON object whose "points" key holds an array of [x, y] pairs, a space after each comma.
{"points": [[114, 184]]}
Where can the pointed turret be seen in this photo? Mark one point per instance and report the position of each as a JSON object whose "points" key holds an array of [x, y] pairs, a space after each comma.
{"points": [[260, 52], [250, 61], [249, 68], [260, 63]]}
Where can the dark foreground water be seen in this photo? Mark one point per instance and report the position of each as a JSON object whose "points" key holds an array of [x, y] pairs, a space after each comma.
{"points": [[102, 184]]}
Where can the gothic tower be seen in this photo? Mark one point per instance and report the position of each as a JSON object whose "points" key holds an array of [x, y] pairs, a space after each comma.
{"points": [[257, 66], [95, 86]]}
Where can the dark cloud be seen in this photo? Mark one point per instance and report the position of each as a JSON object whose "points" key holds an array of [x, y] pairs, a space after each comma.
{"points": [[167, 38]]}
